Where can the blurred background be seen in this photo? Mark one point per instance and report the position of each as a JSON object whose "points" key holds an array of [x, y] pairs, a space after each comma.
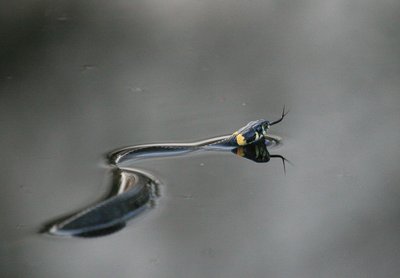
{"points": [[81, 78]]}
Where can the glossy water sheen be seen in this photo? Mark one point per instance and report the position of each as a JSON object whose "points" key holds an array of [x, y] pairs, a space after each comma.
{"points": [[79, 79]]}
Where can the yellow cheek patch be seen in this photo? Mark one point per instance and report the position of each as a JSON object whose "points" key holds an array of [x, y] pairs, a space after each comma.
{"points": [[240, 140]]}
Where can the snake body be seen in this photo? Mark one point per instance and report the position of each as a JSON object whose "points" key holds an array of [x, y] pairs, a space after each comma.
{"points": [[136, 190]]}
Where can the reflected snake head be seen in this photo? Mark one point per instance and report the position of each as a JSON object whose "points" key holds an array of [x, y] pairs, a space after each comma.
{"points": [[259, 153], [256, 152]]}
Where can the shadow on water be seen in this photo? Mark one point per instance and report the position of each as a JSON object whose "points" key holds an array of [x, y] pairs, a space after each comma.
{"points": [[135, 191]]}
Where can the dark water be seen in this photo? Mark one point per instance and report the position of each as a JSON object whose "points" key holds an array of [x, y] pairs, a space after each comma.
{"points": [[79, 79]]}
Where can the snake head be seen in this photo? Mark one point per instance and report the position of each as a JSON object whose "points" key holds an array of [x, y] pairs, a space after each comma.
{"points": [[254, 131], [262, 127], [251, 133]]}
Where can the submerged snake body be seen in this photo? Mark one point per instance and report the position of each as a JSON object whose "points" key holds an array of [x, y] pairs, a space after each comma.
{"points": [[136, 190]]}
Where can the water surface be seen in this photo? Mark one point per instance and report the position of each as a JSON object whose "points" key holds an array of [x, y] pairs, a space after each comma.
{"points": [[79, 79]]}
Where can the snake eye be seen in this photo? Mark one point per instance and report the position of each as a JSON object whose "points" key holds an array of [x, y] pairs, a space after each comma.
{"points": [[265, 127]]}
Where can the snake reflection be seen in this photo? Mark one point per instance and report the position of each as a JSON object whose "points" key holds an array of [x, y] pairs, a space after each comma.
{"points": [[135, 190]]}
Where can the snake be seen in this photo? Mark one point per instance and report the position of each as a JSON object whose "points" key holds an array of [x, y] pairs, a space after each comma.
{"points": [[135, 190]]}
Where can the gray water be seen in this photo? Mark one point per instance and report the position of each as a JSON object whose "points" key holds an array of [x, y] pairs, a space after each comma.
{"points": [[79, 79]]}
